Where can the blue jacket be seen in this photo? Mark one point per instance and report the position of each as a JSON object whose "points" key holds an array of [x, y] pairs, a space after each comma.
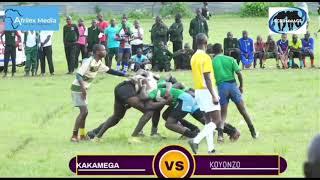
{"points": [[246, 46]]}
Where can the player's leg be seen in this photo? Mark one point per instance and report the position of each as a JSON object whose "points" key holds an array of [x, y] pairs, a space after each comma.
{"points": [[119, 60], [290, 59], [236, 97], [79, 102], [155, 122], [84, 114], [118, 113], [142, 122], [312, 58]]}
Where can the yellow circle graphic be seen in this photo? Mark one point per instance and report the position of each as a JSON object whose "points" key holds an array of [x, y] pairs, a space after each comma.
{"points": [[174, 164]]}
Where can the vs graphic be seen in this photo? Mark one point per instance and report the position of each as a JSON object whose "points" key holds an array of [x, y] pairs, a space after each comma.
{"points": [[177, 165]]}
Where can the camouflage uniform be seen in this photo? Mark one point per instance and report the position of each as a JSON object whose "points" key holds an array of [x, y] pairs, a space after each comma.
{"points": [[182, 58], [197, 25], [159, 32], [176, 35], [162, 58]]}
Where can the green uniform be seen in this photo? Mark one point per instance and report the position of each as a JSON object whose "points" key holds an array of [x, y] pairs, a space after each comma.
{"points": [[31, 53], [70, 37], [182, 58], [159, 33], [197, 25], [93, 37], [160, 92], [162, 58], [224, 68], [176, 35]]}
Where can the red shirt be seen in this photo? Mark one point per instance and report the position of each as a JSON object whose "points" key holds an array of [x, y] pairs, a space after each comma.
{"points": [[259, 46], [102, 26]]}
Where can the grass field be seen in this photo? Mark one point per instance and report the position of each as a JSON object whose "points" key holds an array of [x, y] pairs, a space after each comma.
{"points": [[37, 115]]}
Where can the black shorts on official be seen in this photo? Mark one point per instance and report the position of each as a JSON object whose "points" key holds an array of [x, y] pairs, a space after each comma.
{"points": [[124, 91]]}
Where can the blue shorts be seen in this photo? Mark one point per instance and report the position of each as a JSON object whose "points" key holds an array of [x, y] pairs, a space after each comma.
{"points": [[189, 104], [246, 62], [124, 50], [229, 90]]}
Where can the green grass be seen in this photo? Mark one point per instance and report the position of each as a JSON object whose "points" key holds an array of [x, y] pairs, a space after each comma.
{"points": [[37, 115]]}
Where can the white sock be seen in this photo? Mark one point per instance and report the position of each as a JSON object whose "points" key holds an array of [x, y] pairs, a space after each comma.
{"points": [[210, 135], [202, 134]]}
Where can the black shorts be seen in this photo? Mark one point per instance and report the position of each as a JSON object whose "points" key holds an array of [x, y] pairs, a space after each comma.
{"points": [[296, 54], [124, 91], [176, 111]]}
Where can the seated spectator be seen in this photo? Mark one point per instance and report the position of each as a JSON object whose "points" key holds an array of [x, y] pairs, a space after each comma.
{"points": [[231, 47], [182, 58], [283, 50], [259, 48], [246, 48], [295, 47], [162, 57], [271, 51], [312, 166], [139, 61], [308, 49]]}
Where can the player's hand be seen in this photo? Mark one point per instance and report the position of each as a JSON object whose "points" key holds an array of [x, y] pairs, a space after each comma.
{"points": [[84, 94], [241, 89], [168, 100], [215, 100]]}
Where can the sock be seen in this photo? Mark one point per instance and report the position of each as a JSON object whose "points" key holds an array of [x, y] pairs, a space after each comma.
{"points": [[290, 62], [75, 132], [301, 63], [118, 67], [125, 67], [82, 131], [220, 132], [209, 136], [202, 134], [189, 134], [312, 62]]}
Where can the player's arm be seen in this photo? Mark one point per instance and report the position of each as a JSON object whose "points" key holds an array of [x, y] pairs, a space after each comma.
{"points": [[240, 81], [45, 41], [77, 32], [1, 37], [82, 87]]}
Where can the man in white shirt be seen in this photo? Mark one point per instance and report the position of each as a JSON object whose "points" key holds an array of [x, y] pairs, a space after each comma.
{"points": [[31, 40], [46, 51], [137, 41]]}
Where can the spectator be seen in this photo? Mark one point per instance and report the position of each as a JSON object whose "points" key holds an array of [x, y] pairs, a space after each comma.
{"points": [[139, 61], [137, 33], [113, 44], [176, 33], [308, 49], [102, 24], [124, 36], [128, 23], [295, 47], [312, 165], [182, 58], [283, 47], [271, 51], [10, 50], [93, 36], [70, 38], [231, 47], [259, 48], [159, 32], [162, 57], [205, 11], [31, 42], [246, 48], [82, 42], [197, 25], [46, 51]]}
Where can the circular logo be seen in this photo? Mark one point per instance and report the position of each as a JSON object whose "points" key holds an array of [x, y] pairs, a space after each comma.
{"points": [[173, 162]]}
